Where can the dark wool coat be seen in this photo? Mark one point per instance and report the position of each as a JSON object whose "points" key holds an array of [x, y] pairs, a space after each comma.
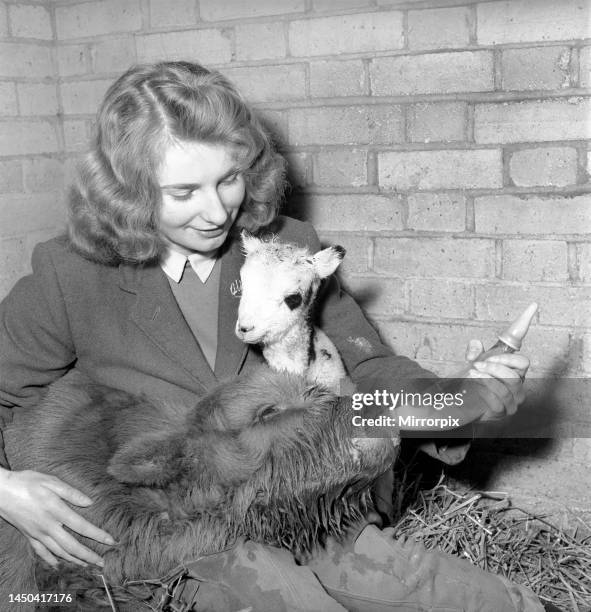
{"points": [[121, 326]]}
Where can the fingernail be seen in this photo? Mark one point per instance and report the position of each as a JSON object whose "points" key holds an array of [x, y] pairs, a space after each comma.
{"points": [[100, 563], [110, 541]]}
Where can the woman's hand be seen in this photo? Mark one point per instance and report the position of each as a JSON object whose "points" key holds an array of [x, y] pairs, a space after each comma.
{"points": [[34, 503], [500, 380]]}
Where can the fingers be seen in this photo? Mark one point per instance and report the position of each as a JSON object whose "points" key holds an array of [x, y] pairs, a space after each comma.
{"points": [[65, 491], [500, 387], [514, 361], [474, 349], [42, 552], [80, 525], [66, 546]]}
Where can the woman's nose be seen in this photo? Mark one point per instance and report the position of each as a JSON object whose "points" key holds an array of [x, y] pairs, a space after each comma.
{"points": [[215, 211]]}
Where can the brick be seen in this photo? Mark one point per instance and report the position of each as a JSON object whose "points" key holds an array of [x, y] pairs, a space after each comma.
{"points": [[212, 10], [70, 169], [586, 354], [76, 135], [544, 166], [337, 78], [8, 103], [443, 122], [558, 305], [357, 247], [26, 137], [164, 13], [585, 67], [453, 169], [439, 28], [506, 214], [30, 22], [336, 5], [428, 341], [18, 59], [441, 299], [462, 71], [531, 121], [364, 32], [435, 257], [536, 68], [341, 167], [11, 176], [298, 169], [531, 20], [83, 97], [269, 83], [377, 295], [96, 18], [374, 124], [43, 174], [534, 260], [256, 41], [37, 98], [112, 55], [72, 60], [583, 251], [34, 212], [207, 46], [3, 20], [437, 211], [351, 213]]}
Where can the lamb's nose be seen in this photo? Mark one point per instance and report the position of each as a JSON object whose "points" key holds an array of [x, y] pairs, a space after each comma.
{"points": [[245, 329]]}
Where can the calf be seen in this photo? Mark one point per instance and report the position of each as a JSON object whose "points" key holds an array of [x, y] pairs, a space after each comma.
{"points": [[268, 457]]}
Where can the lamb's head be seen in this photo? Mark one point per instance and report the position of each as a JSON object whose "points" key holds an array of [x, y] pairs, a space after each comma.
{"points": [[270, 453], [279, 285]]}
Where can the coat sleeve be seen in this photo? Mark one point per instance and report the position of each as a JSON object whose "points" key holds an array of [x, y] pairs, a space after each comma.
{"points": [[367, 358], [35, 340]]}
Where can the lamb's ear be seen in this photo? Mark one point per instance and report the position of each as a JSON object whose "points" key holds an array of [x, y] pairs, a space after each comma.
{"points": [[328, 260], [151, 459], [249, 242]]}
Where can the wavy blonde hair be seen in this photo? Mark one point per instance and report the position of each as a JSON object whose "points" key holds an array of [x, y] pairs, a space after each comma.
{"points": [[115, 202]]}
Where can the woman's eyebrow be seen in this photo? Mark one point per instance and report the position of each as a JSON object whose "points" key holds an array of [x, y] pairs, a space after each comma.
{"points": [[181, 186], [230, 172]]}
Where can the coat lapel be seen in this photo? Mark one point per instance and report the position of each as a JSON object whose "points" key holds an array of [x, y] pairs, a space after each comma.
{"points": [[231, 351], [158, 315]]}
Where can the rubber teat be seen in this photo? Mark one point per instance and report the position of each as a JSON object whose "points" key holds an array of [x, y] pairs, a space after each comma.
{"points": [[515, 333]]}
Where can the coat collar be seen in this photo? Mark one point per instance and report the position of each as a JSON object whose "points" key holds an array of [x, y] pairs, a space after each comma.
{"points": [[158, 315]]}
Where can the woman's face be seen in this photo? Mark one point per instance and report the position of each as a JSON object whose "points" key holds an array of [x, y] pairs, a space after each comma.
{"points": [[202, 190]]}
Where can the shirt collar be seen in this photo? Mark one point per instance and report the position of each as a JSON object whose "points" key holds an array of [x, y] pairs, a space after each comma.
{"points": [[173, 263]]}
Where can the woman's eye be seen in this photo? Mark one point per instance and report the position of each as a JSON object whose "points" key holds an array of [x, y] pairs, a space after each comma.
{"points": [[181, 196], [230, 179]]}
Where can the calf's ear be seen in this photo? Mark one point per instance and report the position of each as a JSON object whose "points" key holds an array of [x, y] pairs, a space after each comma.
{"points": [[153, 459], [328, 260]]}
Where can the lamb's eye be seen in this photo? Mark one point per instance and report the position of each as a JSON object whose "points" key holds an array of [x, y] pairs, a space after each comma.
{"points": [[267, 412], [293, 300]]}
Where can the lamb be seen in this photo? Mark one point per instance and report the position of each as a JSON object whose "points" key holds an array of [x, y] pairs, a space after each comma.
{"points": [[279, 284], [266, 456]]}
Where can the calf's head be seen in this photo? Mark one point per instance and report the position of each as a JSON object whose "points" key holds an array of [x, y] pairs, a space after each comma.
{"points": [[269, 453]]}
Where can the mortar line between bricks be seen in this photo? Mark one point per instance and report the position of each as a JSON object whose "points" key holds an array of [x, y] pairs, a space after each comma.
{"points": [[415, 147], [418, 234], [471, 97], [370, 55]]}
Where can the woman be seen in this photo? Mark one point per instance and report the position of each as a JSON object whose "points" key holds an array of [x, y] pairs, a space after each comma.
{"points": [[138, 297]]}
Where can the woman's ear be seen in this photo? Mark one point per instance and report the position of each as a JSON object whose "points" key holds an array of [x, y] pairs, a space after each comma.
{"points": [[151, 459]]}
